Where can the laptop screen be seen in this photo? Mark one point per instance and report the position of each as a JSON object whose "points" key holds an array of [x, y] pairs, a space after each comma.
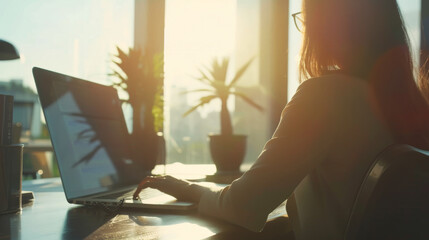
{"points": [[88, 133]]}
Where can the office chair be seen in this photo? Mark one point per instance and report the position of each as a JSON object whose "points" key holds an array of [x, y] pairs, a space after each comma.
{"points": [[393, 201]]}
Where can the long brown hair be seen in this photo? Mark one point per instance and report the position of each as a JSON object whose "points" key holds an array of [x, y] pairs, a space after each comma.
{"points": [[368, 39]]}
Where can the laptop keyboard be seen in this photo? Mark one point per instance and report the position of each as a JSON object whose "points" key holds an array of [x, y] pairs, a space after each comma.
{"points": [[144, 194]]}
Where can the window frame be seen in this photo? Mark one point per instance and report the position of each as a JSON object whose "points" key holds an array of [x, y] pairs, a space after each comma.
{"points": [[274, 16]]}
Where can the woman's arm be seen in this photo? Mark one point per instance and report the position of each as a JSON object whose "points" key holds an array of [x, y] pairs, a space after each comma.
{"points": [[302, 140]]}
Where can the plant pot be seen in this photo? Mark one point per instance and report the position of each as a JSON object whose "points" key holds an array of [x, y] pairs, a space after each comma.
{"points": [[149, 151], [227, 152]]}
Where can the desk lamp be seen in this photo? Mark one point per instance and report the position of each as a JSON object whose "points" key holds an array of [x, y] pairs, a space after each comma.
{"points": [[8, 51]]}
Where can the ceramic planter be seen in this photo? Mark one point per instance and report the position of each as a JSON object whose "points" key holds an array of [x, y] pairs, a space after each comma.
{"points": [[227, 152]]}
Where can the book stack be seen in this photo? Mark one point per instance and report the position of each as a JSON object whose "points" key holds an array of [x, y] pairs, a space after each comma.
{"points": [[6, 115], [6, 111]]}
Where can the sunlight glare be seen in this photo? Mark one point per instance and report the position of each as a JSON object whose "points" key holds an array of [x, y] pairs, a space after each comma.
{"points": [[187, 231]]}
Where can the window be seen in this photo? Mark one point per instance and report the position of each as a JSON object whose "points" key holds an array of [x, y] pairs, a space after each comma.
{"points": [[411, 10], [72, 37], [77, 38], [196, 32]]}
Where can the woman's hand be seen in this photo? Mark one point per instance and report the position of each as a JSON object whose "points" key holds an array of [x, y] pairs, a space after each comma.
{"points": [[180, 189]]}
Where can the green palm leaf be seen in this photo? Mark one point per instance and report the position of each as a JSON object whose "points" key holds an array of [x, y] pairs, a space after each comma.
{"points": [[215, 78], [203, 101], [223, 71], [204, 78], [240, 72], [197, 90], [248, 100], [140, 75], [219, 69], [121, 54], [118, 75]]}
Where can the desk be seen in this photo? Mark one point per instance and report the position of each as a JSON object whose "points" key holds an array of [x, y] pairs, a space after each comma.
{"points": [[51, 217]]}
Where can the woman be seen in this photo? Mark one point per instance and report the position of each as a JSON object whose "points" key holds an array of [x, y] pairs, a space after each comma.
{"points": [[360, 97]]}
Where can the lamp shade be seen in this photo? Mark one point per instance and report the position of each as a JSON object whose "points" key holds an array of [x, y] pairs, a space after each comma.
{"points": [[7, 51]]}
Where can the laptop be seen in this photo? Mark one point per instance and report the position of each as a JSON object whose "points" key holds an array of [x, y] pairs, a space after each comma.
{"points": [[90, 140]]}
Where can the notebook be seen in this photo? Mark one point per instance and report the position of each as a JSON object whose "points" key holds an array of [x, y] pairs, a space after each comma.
{"points": [[89, 136]]}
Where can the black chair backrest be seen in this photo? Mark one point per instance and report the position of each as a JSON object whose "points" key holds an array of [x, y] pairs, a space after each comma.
{"points": [[393, 201]]}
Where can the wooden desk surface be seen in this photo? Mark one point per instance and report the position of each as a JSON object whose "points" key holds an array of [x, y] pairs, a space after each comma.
{"points": [[51, 217]]}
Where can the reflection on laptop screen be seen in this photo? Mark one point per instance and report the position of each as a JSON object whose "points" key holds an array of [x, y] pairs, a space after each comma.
{"points": [[88, 133]]}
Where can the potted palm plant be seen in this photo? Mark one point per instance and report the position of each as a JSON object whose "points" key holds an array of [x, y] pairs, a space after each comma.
{"points": [[140, 76], [227, 149]]}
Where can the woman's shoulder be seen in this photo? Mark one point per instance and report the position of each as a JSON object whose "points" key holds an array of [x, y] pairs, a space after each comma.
{"points": [[331, 92], [334, 82], [333, 86]]}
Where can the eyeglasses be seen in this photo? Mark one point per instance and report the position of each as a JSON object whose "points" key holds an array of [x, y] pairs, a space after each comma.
{"points": [[299, 22]]}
